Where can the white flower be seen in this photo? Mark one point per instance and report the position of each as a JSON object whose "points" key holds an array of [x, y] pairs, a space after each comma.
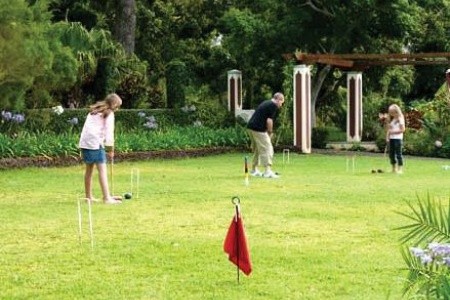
{"points": [[58, 109]]}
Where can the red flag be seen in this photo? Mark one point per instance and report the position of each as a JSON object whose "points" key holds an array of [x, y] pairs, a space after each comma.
{"points": [[235, 245]]}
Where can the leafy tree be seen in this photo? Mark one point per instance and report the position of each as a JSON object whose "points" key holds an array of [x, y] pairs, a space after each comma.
{"points": [[74, 11], [353, 27], [266, 29], [185, 31], [433, 29], [33, 64]]}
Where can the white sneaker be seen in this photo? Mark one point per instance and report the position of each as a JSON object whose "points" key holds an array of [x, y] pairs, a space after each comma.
{"points": [[256, 173], [270, 174]]}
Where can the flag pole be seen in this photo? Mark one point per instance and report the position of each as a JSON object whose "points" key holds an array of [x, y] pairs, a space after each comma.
{"points": [[235, 200]]}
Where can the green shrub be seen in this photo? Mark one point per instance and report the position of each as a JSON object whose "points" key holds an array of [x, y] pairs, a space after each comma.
{"points": [[131, 120], [418, 143], [203, 108], [319, 137], [171, 138], [177, 80], [284, 122], [374, 104], [46, 120], [356, 146], [336, 134]]}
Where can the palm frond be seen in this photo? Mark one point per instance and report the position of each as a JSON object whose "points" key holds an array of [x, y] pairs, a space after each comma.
{"points": [[430, 222], [428, 280]]}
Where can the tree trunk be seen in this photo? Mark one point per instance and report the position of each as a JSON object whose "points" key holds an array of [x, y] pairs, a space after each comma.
{"points": [[125, 24], [315, 89]]}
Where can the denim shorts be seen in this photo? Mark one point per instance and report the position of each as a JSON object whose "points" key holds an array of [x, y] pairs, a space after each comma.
{"points": [[94, 156]]}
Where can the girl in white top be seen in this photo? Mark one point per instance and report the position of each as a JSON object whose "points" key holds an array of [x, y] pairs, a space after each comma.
{"points": [[96, 136], [394, 137]]}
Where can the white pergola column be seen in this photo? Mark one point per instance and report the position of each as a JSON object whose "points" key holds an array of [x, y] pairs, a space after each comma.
{"points": [[447, 78], [302, 108], [235, 91], [354, 107]]}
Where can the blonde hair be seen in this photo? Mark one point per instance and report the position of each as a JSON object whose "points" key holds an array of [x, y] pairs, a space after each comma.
{"points": [[394, 108], [278, 96], [111, 103]]}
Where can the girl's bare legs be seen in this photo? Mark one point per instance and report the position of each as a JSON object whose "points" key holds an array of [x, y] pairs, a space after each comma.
{"points": [[88, 181], [103, 178]]}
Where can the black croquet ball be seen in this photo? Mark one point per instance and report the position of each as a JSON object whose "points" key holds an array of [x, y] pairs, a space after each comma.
{"points": [[127, 196]]}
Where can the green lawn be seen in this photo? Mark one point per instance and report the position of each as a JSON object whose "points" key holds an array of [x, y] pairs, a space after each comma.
{"points": [[322, 231]]}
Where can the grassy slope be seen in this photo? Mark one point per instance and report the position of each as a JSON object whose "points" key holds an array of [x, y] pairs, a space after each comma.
{"points": [[319, 232]]}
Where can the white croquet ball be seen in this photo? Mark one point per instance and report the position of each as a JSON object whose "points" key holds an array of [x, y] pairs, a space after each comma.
{"points": [[438, 144]]}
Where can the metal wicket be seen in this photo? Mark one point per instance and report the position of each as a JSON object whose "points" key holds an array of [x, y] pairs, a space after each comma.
{"points": [[350, 162], [134, 181], [80, 221], [286, 155]]}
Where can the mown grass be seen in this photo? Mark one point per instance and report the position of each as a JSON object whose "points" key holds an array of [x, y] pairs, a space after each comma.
{"points": [[319, 232]]}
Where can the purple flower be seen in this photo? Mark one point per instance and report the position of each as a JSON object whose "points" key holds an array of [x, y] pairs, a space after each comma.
{"points": [[439, 249], [426, 259], [435, 253], [18, 118], [446, 261], [6, 115], [73, 121], [417, 252], [141, 114], [151, 119], [151, 125]]}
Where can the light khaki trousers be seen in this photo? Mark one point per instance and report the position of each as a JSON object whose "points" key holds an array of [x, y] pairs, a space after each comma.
{"points": [[262, 148]]}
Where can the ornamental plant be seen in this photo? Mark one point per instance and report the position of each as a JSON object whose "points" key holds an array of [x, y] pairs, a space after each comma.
{"points": [[149, 122], [10, 122], [426, 250]]}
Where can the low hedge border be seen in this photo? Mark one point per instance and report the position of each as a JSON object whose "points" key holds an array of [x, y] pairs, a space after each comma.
{"points": [[62, 161]]}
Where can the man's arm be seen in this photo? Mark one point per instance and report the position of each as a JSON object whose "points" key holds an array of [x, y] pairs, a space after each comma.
{"points": [[269, 125]]}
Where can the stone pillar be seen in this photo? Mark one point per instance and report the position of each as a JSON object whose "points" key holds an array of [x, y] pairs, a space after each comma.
{"points": [[235, 91], [302, 108], [354, 107]]}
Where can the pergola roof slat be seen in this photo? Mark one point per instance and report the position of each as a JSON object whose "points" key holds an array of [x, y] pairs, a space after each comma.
{"points": [[360, 60]]}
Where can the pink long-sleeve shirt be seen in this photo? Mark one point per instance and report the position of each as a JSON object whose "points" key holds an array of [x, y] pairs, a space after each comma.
{"points": [[97, 132]]}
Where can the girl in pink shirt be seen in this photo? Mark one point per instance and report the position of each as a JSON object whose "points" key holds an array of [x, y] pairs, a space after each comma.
{"points": [[96, 136]]}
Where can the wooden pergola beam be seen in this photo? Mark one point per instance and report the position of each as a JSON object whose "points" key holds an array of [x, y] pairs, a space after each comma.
{"points": [[358, 60]]}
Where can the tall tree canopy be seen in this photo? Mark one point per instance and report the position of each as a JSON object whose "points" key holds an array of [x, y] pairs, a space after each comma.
{"points": [[210, 37]]}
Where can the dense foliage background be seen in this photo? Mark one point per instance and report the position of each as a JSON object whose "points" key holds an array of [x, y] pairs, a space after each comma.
{"points": [[175, 53]]}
